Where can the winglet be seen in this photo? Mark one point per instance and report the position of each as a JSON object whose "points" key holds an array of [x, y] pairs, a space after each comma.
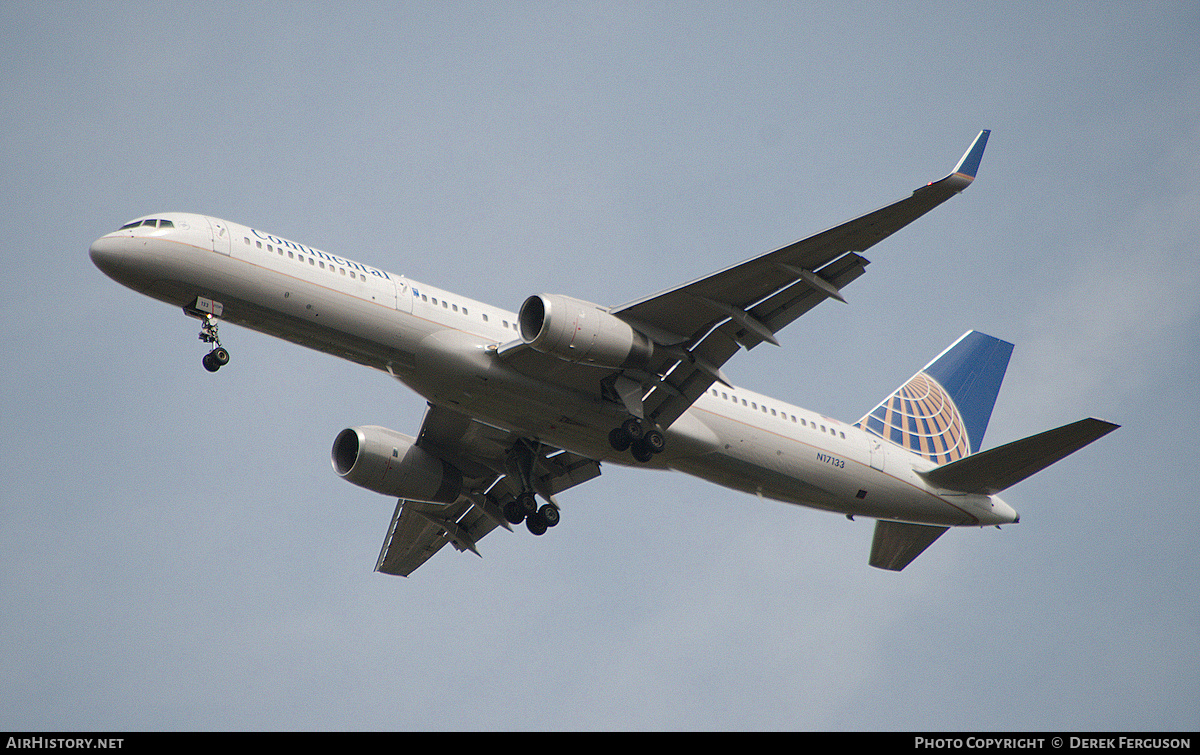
{"points": [[968, 166]]}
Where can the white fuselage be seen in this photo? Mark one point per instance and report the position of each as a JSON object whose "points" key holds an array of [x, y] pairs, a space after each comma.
{"points": [[443, 346]]}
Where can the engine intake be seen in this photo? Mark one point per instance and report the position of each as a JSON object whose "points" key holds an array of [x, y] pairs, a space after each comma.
{"points": [[581, 332], [391, 463]]}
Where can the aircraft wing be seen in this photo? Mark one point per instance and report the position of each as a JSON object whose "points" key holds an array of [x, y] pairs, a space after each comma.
{"points": [[708, 320], [483, 454], [698, 326]]}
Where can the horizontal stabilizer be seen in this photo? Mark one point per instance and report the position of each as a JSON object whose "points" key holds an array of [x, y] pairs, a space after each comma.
{"points": [[991, 471], [896, 544]]}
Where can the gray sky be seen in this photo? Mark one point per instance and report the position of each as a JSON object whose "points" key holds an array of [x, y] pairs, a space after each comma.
{"points": [[177, 553]]}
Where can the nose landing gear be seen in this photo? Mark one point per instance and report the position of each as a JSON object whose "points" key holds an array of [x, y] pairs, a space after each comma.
{"points": [[218, 357], [207, 311]]}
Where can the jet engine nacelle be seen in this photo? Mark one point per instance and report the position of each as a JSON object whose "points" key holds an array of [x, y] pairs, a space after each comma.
{"points": [[391, 463], [582, 332]]}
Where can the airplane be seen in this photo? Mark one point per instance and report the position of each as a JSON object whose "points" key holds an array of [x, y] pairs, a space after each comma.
{"points": [[524, 406]]}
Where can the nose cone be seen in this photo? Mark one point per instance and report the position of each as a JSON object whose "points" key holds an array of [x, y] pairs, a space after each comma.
{"points": [[126, 260], [106, 255]]}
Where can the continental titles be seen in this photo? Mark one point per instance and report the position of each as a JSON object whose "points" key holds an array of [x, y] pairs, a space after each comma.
{"points": [[366, 269]]}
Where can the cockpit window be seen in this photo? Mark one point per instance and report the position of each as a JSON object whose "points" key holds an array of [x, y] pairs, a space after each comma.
{"points": [[152, 223]]}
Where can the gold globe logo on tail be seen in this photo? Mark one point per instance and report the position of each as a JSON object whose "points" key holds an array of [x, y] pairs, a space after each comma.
{"points": [[922, 418]]}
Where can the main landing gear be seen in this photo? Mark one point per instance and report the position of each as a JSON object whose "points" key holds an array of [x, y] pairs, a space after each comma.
{"points": [[524, 508], [639, 439], [218, 357]]}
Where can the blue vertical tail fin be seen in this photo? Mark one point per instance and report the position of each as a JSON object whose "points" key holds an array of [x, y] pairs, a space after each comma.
{"points": [[942, 412]]}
